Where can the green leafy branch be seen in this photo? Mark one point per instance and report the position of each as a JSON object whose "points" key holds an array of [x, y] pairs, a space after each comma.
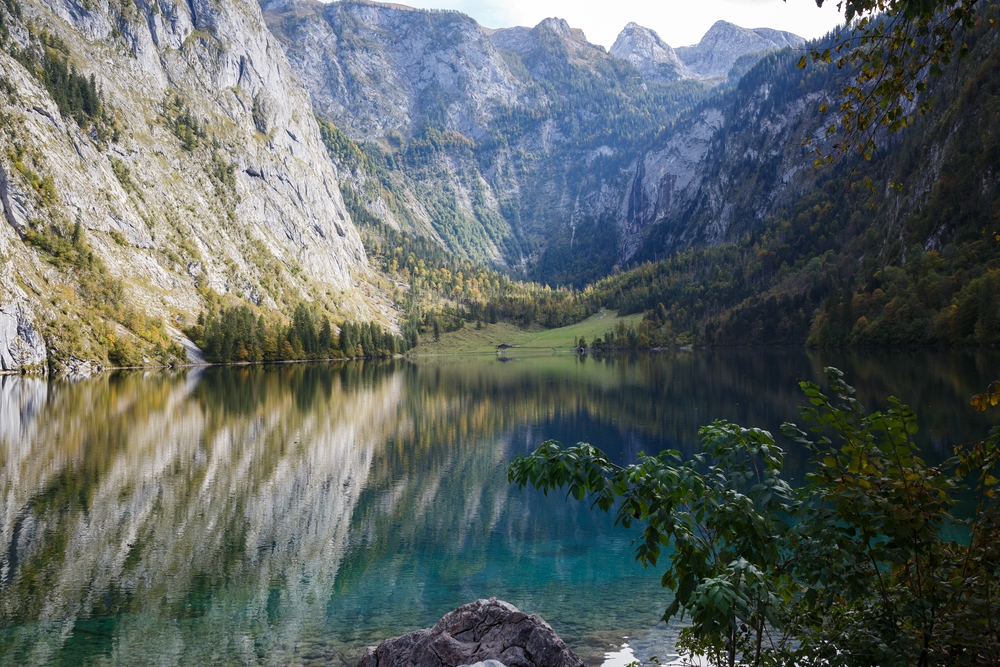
{"points": [[860, 566], [892, 49]]}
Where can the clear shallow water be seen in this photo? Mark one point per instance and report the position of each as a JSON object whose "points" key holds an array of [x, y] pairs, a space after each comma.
{"points": [[291, 515]]}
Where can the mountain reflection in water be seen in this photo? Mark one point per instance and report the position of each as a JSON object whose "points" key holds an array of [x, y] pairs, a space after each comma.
{"points": [[293, 514]]}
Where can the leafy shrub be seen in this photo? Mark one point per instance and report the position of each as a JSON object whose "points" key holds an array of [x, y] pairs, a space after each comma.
{"points": [[858, 567]]}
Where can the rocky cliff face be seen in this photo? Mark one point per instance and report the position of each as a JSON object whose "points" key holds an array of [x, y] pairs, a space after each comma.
{"points": [[380, 68], [527, 147], [524, 41], [725, 43], [728, 166], [206, 171]]}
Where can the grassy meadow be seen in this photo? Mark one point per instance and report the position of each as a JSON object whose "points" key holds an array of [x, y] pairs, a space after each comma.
{"points": [[470, 340]]}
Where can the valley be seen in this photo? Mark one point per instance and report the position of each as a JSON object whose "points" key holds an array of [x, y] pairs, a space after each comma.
{"points": [[415, 169], [725, 270]]}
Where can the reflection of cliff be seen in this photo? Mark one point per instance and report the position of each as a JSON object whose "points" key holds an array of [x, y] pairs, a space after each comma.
{"points": [[445, 475], [21, 398], [153, 496]]}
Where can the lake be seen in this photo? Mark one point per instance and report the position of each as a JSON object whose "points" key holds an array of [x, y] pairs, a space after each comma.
{"points": [[294, 514]]}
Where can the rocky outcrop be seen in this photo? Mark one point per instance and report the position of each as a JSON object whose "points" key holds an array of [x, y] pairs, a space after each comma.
{"points": [[649, 54], [522, 40], [725, 43], [21, 346], [478, 632]]}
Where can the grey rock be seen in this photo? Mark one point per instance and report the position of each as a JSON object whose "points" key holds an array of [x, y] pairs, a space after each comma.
{"points": [[376, 68], [523, 40], [21, 345], [517, 39], [192, 352], [77, 369], [482, 632], [649, 54], [725, 43], [13, 200]]}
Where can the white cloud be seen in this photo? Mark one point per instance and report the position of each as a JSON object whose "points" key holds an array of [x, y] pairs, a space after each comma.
{"points": [[679, 22]]}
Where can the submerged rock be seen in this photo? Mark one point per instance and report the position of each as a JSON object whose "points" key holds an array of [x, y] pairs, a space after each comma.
{"points": [[481, 632]]}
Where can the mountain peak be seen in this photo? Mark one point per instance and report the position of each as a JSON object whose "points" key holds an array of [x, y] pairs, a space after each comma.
{"points": [[523, 40], [726, 42], [649, 54], [562, 28]]}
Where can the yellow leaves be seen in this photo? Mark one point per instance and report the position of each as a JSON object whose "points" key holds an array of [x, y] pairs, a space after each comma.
{"points": [[989, 398]]}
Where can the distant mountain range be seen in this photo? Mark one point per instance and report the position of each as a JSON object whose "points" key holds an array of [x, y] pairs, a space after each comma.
{"points": [[712, 58]]}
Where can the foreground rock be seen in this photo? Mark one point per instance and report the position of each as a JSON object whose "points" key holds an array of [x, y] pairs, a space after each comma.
{"points": [[484, 630]]}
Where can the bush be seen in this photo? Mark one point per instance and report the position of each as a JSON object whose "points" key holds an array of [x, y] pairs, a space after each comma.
{"points": [[855, 568]]}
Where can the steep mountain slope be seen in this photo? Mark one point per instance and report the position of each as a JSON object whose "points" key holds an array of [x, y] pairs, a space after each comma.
{"points": [[155, 150], [378, 68], [760, 247], [508, 146], [429, 82], [733, 161]]}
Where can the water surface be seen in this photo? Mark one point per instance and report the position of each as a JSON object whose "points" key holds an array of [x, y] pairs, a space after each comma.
{"points": [[293, 514]]}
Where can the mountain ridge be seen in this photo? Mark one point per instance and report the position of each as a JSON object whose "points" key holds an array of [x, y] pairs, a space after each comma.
{"points": [[726, 42], [165, 158]]}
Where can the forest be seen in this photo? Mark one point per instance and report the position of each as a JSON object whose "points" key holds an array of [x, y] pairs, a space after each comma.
{"points": [[235, 334]]}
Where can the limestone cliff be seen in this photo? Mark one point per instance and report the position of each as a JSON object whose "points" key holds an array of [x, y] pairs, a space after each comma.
{"points": [[203, 169], [509, 146]]}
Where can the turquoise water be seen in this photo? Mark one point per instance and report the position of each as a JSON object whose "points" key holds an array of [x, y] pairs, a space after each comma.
{"points": [[293, 514]]}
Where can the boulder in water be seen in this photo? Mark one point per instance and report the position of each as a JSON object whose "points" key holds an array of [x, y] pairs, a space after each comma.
{"points": [[484, 631]]}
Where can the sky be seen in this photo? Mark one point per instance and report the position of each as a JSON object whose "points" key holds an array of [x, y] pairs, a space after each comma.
{"points": [[678, 22]]}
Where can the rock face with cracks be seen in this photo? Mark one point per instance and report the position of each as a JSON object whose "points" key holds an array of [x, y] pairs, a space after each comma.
{"points": [[480, 631]]}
